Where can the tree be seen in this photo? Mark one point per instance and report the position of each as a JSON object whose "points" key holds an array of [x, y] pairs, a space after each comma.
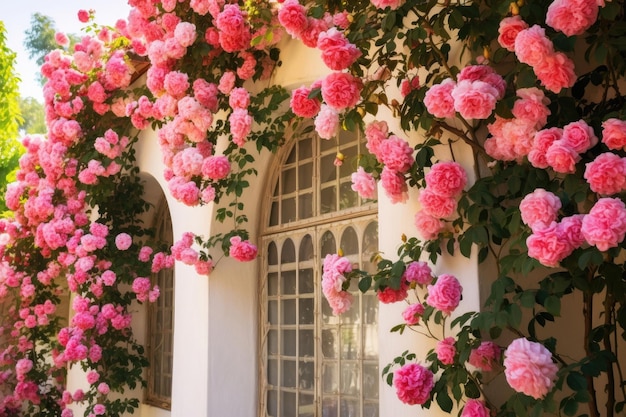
{"points": [[33, 120]]}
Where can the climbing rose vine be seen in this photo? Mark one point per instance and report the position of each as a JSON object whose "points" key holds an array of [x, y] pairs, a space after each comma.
{"points": [[531, 89]]}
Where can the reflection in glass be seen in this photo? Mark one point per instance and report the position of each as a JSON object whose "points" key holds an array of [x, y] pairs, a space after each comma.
{"points": [[305, 176], [272, 342], [347, 197], [329, 343], [288, 403], [305, 148], [272, 311], [349, 342], [306, 373], [370, 381], [305, 206], [272, 403], [328, 200], [306, 407], [329, 378]]}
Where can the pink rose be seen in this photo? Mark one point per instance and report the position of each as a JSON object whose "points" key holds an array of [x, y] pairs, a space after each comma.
{"points": [[239, 98], [570, 228], [508, 30], [233, 27], [428, 226], [445, 293], [549, 245], [532, 46], [240, 125], [375, 133], [216, 167], [392, 4], [364, 184], [341, 90], [327, 122], [446, 350], [337, 52], [413, 383], [446, 178], [438, 99], [556, 72], [605, 225], [475, 408], [606, 174], [396, 154], [242, 250], [474, 99], [532, 106], [572, 17], [485, 356], [123, 241], [412, 314], [390, 295], [539, 208], [437, 205], [292, 15], [394, 185], [419, 272], [529, 368], [486, 74], [614, 134], [579, 136], [333, 276], [302, 105], [542, 141], [562, 158]]}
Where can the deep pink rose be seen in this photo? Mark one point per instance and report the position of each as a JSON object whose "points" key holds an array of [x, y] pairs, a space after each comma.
{"points": [[394, 185], [606, 174], [445, 293], [413, 383], [539, 208], [419, 272], [412, 314], [428, 226], [556, 72], [438, 99], [437, 205], [532, 46], [302, 105], [446, 178], [396, 154], [392, 4], [605, 225], [485, 356], [216, 167], [337, 52], [241, 250], [532, 106], [508, 30], [446, 350], [341, 90], [475, 408], [572, 17], [614, 134], [292, 15], [391, 295], [529, 368], [570, 228]]}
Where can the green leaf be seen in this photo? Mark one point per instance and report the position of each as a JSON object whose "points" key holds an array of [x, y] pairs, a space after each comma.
{"points": [[576, 381], [444, 401], [553, 305], [471, 389]]}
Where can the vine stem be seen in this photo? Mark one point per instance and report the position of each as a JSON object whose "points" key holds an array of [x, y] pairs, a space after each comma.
{"points": [[609, 306], [587, 314]]}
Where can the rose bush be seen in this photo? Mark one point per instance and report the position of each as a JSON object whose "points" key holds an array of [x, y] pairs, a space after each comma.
{"points": [[536, 96]]}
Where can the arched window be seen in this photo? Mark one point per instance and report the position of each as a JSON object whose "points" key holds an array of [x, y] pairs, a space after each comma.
{"points": [[315, 363], [160, 338]]}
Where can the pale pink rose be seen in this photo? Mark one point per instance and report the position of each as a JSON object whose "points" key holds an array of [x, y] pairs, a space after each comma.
{"points": [[392, 4], [446, 350], [549, 245], [233, 27], [475, 408], [515, 138], [419, 272], [508, 30], [394, 185], [396, 154], [216, 167], [529, 368], [614, 134], [242, 250], [413, 383], [605, 225], [446, 178], [99, 409], [437, 205], [556, 72], [532, 105], [327, 122], [445, 293], [337, 52], [341, 90], [428, 226], [572, 17], [227, 82], [561, 157], [486, 356], [103, 388], [92, 377], [606, 174], [61, 39], [333, 276], [302, 105], [240, 125], [205, 93], [239, 98], [542, 141], [312, 30], [413, 313], [438, 99], [363, 183], [176, 84], [185, 33], [486, 74], [570, 229], [474, 99], [375, 133], [579, 136], [532, 46], [292, 15], [539, 208]]}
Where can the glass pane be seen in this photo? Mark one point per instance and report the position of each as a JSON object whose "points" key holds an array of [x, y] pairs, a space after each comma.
{"points": [[329, 343], [307, 311], [350, 408], [349, 242], [328, 170], [305, 281], [272, 342], [305, 148], [272, 311], [349, 342], [289, 374], [307, 406], [289, 181], [329, 407], [307, 344], [326, 145], [327, 313], [328, 200], [370, 308], [350, 378], [353, 315], [306, 248], [370, 409], [370, 341], [288, 282], [272, 283], [305, 176], [288, 310], [307, 376], [288, 213], [288, 404], [292, 156], [289, 342], [305, 206], [272, 254], [288, 254], [272, 372], [370, 246], [272, 403], [330, 380], [274, 214], [328, 244], [370, 381], [346, 169], [347, 197]]}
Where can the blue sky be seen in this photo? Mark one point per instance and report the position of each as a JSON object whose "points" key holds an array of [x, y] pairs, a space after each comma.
{"points": [[16, 19]]}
